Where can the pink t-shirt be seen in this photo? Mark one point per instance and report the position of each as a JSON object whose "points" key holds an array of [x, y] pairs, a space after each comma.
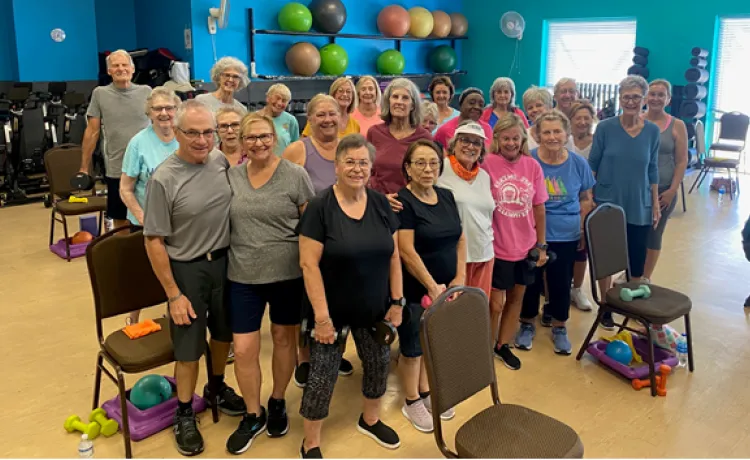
{"points": [[389, 156], [516, 187], [445, 133], [365, 123]]}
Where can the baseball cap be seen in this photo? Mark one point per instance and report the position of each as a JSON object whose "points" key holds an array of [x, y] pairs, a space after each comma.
{"points": [[471, 128]]}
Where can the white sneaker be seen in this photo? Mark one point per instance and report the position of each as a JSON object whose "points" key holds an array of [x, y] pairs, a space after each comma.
{"points": [[622, 279], [447, 415], [579, 299], [418, 415]]}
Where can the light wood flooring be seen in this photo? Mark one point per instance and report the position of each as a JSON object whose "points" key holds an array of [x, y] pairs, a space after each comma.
{"points": [[49, 345]]}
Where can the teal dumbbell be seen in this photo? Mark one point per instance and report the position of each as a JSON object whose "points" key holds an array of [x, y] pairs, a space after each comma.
{"points": [[628, 295]]}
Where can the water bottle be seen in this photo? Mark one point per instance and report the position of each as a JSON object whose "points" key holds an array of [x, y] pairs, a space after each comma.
{"points": [[86, 447], [682, 351], [722, 191]]}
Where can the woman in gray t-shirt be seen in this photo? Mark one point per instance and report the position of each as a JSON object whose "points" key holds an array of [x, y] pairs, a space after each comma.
{"points": [[268, 197]]}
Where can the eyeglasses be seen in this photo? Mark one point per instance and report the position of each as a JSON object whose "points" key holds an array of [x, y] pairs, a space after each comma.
{"points": [[344, 92], [224, 127], [632, 99], [231, 76], [421, 164], [265, 138], [194, 135], [351, 164], [466, 142], [159, 108]]}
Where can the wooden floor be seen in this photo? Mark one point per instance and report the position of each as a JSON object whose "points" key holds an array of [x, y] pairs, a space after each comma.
{"points": [[48, 346]]}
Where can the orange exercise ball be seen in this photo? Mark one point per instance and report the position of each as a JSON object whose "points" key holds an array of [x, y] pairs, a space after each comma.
{"points": [[459, 25], [421, 22], [442, 24], [303, 59], [81, 237], [394, 21]]}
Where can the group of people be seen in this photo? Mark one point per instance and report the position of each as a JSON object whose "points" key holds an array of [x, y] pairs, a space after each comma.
{"points": [[381, 200]]}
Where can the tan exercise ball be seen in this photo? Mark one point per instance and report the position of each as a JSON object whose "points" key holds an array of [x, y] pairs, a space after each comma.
{"points": [[441, 24], [421, 22], [303, 59], [459, 25]]}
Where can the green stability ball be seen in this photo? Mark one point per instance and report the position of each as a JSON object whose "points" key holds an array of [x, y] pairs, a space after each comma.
{"points": [[391, 62], [333, 59], [295, 17], [150, 391], [443, 59]]}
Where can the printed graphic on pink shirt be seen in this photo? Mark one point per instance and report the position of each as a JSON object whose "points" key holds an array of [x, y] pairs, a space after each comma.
{"points": [[513, 196]]}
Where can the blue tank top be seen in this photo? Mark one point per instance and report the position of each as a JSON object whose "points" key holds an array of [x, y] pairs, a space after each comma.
{"points": [[320, 170]]}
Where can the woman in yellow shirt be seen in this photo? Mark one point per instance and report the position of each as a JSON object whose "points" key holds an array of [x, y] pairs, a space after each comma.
{"points": [[345, 94]]}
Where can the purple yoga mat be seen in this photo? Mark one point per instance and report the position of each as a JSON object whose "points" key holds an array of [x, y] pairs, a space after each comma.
{"points": [[76, 250], [640, 371]]}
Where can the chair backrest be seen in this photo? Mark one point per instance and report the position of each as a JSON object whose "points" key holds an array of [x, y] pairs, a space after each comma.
{"points": [[607, 242], [734, 126], [457, 345], [62, 163], [122, 279]]}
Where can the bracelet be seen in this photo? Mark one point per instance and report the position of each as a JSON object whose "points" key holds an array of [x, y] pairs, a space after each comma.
{"points": [[323, 323], [172, 299]]}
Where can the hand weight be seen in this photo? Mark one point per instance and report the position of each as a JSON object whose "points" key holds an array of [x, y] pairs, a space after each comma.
{"points": [[306, 333], [628, 295], [534, 256]]}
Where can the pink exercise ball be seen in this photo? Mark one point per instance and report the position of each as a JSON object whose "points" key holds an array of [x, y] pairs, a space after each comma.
{"points": [[394, 21]]}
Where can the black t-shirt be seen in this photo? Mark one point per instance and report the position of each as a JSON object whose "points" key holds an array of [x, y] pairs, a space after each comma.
{"points": [[437, 229], [356, 258]]}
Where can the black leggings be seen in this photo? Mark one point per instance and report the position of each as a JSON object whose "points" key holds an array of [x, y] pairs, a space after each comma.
{"points": [[559, 276], [637, 243]]}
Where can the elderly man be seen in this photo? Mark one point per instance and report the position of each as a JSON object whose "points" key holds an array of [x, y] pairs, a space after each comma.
{"points": [[116, 110], [186, 225], [565, 94]]}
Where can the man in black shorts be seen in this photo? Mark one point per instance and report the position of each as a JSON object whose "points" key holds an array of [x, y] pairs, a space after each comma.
{"points": [[117, 110], [186, 226]]}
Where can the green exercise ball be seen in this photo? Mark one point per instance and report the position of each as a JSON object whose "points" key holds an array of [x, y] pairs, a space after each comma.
{"points": [[333, 59], [295, 17], [150, 391], [391, 62], [443, 59]]}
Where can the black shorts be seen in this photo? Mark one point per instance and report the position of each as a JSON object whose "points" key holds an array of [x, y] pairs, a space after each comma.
{"points": [[247, 303], [506, 274], [408, 332], [203, 283], [116, 209]]}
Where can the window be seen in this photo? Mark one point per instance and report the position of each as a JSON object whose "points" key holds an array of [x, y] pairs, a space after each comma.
{"points": [[730, 79], [589, 51]]}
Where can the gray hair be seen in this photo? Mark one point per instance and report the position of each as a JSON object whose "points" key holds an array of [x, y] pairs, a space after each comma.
{"points": [[534, 94], [280, 89], [415, 116], [226, 63], [503, 83], [163, 92], [551, 115], [634, 82], [564, 81], [192, 105], [119, 53], [354, 141], [230, 109], [429, 108], [664, 83]]}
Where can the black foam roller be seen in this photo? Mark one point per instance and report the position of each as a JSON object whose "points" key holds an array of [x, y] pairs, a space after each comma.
{"points": [[639, 70], [693, 109], [641, 51], [690, 126], [699, 52], [640, 60], [696, 75], [695, 91], [698, 62]]}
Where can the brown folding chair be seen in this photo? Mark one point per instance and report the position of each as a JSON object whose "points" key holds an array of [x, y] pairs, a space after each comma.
{"points": [[457, 348], [62, 163], [606, 238], [122, 281]]}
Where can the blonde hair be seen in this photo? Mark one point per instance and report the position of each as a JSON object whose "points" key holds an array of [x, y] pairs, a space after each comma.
{"points": [[362, 80], [280, 89], [255, 117], [551, 116], [429, 109], [534, 94], [664, 83], [318, 99], [582, 104], [165, 93], [337, 84], [510, 120]]}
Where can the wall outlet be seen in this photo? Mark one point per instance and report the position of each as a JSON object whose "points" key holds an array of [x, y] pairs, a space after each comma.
{"points": [[212, 25], [188, 38]]}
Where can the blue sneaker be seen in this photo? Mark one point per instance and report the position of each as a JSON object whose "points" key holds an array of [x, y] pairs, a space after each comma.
{"points": [[525, 335], [560, 340]]}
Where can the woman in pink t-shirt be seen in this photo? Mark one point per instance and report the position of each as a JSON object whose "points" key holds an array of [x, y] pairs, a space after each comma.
{"points": [[367, 112], [518, 224]]}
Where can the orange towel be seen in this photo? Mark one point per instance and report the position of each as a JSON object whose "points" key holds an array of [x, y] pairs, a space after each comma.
{"points": [[141, 329]]}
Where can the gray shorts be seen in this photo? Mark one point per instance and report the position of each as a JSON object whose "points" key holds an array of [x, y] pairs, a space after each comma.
{"points": [[655, 234], [203, 282]]}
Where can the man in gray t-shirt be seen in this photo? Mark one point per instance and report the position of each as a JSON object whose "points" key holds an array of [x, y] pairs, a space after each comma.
{"points": [[186, 225], [119, 111]]}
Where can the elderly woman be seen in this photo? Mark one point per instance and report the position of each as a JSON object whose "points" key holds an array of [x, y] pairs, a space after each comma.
{"points": [[441, 91], [344, 92], [624, 158], [502, 101], [565, 94], [569, 182], [402, 116], [536, 100], [429, 115], [471, 102], [518, 223], [268, 197], [145, 151], [369, 97], [433, 252], [673, 159], [228, 120], [229, 75], [287, 128], [352, 272]]}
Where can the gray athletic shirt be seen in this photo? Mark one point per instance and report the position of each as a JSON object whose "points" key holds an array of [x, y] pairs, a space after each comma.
{"points": [[188, 205], [123, 114], [215, 104], [264, 247]]}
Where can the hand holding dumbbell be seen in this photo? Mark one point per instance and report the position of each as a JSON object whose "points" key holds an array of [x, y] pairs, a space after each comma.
{"points": [[307, 333], [627, 295], [82, 181], [109, 426], [73, 423], [533, 258]]}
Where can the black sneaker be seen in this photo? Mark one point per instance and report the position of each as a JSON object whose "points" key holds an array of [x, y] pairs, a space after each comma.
{"points": [[230, 402], [747, 302], [278, 421], [607, 322], [546, 320], [380, 432], [312, 453], [250, 427], [301, 373], [186, 434], [345, 368], [510, 360]]}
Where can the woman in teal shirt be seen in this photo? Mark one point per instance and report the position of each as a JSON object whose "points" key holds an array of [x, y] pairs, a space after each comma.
{"points": [[286, 125]]}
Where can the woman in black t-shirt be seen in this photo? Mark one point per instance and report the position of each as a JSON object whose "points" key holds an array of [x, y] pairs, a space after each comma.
{"points": [[352, 272], [433, 252]]}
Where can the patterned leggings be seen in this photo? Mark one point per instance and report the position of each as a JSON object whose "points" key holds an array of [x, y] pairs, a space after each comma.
{"points": [[324, 370]]}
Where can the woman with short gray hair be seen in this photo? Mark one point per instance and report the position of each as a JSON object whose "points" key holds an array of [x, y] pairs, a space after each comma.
{"points": [[430, 114], [502, 101], [624, 159], [565, 94], [229, 75], [402, 116], [287, 127]]}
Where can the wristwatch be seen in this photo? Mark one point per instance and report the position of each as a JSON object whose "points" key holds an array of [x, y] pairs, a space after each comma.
{"points": [[542, 246], [398, 302]]}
